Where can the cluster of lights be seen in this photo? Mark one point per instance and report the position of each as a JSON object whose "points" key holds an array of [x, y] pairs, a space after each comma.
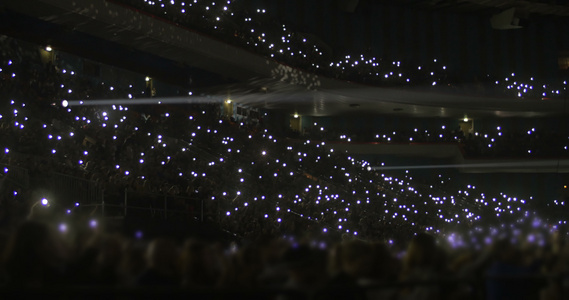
{"points": [[537, 142], [293, 48], [330, 190]]}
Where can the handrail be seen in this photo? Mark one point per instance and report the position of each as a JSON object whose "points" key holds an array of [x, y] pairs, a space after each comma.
{"points": [[22, 174], [133, 207]]}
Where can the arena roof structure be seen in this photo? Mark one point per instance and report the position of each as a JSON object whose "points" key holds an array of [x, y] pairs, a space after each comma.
{"points": [[249, 78]]}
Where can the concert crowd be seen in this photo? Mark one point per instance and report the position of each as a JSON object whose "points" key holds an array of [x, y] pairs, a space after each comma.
{"points": [[302, 215]]}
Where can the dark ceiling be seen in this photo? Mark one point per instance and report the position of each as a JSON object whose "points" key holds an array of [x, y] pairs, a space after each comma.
{"points": [[489, 7]]}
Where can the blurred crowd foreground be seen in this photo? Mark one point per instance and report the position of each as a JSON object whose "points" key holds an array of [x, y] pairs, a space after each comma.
{"points": [[39, 260]]}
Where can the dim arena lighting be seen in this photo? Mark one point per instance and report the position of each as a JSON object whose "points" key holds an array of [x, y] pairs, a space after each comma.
{"points": [[144, 101], [537, 164]]}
